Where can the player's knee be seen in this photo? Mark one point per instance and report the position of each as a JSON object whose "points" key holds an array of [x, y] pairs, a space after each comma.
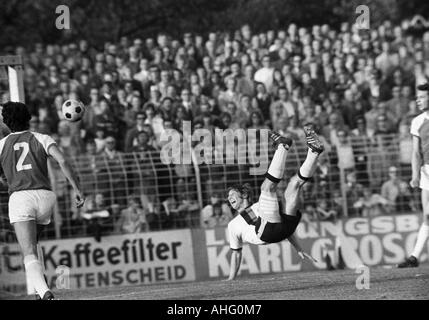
{"points": [[268, 186], [295, 183]]}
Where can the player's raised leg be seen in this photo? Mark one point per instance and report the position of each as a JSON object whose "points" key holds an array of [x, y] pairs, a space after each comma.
{"points": [[26, 233], [306, 171], [268, 202], [277, 166]]}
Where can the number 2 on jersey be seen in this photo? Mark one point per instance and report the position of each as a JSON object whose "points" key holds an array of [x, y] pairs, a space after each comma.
{"points": [[20, 166]]}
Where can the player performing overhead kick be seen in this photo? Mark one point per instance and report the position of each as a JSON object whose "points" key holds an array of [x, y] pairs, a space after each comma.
{"points": [[262, 222], [420, 170], [24, 160]]}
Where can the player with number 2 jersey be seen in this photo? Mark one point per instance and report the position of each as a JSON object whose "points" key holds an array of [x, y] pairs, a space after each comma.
{"points": [[24, 162]]}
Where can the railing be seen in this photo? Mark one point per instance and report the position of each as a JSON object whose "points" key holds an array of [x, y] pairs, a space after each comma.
{"points": [[173, 196]]}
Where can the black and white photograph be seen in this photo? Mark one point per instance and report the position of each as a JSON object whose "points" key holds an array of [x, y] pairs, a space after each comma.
{"points": [[214, 155]]}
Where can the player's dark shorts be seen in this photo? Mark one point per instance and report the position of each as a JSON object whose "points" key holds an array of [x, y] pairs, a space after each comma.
{"points": [[276, 232]]}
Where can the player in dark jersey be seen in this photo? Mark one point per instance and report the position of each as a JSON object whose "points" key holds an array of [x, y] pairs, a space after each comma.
{"points": [[23, 159], [262, 222]]}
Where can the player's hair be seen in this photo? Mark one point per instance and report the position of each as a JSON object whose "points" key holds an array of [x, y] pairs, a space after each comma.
{"points": [[423, 87], [244, 189], [16, 116]]}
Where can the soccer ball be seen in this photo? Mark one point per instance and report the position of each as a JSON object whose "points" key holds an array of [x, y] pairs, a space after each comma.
{"points": [[73, 110]]}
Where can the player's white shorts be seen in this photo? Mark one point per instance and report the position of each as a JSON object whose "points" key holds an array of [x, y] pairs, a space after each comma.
{"points": [[269, 207], [28, 205], [424, 177]]}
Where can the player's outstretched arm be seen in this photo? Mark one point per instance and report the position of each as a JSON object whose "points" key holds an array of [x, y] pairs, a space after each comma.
{"points": [[235, 264], [294, 242], [67, 169], [416, 163]]}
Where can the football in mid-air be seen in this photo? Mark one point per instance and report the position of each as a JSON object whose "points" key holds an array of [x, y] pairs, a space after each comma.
{"points": [[73, 110]]}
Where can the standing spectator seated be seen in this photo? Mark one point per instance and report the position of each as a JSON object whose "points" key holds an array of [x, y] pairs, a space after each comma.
{"points": [[246, 105], [167, 108], [372, 204], [105, 121], [284, 104], [354, 192], [113, 172], [229, 95], [346, 158], [99, 216], [294, 130], [397, 104], [309, 115], [153, 119], [378, 111], [361, 147], [216, 213], [405, 149], [256, 121], [324, 213], [246, 84], [262, 101], [396, 191], [99, 140], [186, 104], [133, 132], [130, 114], [133, 218], [265, 74], [335, 125], [143, 143], [238, 117]]}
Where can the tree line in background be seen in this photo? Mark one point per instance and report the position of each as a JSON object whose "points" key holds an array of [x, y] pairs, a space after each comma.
{"points": [[24, 22]]}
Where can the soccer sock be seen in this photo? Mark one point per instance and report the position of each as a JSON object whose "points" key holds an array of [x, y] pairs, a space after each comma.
{"points": [[277, 165], [309, 166], [34, 271], [421, 240], [31, 290], [41, 258]]}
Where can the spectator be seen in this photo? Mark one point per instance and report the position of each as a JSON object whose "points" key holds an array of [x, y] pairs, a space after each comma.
{"points": [[133, 218], [217, 213], [346, 158], [143, 143], [246, 84], [405, 150], [132, 133], [283, 106], [256, 121], [230, 94], [396, 191], [265, 74], [354, 192], [372, 204], [323, 212], [335, 125], [105, 120], [113, 172], [262, 100], [96, 214]]}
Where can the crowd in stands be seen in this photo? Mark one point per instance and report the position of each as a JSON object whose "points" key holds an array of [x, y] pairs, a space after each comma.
{"points": [[356, 87]]}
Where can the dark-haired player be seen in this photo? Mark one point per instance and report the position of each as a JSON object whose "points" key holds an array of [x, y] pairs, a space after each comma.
{"points": [[262, 222], [420, 170], [23, 158]]}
